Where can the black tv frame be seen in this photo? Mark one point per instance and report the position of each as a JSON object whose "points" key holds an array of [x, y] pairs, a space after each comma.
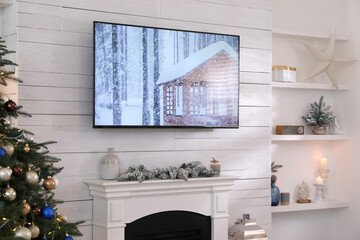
{"points": [[156, 126]]}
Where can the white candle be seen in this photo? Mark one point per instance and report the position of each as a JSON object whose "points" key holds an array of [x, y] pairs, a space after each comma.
{"points": [[319, 180], [323, 163]]}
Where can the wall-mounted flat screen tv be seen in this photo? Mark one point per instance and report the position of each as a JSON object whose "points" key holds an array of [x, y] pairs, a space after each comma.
{"points": [[154, 77]]}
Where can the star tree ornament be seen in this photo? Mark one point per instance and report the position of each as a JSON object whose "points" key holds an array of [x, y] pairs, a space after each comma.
{"points": [[326, 61]]}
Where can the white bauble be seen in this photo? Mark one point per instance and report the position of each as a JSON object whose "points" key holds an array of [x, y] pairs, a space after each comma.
{"points": [[31, 177], [5, 174], [23, 232], [35, 231]]}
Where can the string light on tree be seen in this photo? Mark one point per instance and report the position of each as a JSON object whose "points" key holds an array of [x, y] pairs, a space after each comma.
{"points": [[26, 208]]}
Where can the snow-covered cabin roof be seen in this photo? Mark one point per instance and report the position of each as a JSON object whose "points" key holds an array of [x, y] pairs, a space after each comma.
{"points": [[194, 60]]}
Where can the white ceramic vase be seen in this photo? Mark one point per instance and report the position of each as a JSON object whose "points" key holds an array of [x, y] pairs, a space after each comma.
{"points": [[110, 165]]}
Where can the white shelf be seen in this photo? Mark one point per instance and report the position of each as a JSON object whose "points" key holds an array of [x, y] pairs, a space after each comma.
{"points": [[309, 86], [278, 32], [5, 3], [295, 207], [310, 138]]}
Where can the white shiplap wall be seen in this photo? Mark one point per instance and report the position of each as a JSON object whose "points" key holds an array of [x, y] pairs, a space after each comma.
{"points": [[54, 45]]}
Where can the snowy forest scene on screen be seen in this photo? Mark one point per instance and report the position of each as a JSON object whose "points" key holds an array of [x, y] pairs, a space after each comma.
{"points": [[160, 77]]}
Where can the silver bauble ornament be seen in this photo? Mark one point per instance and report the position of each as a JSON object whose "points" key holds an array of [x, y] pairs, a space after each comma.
{"points": [[9, 149], [31, 177], [23, 232], [9, 194], [5, 174], [35, 231]]}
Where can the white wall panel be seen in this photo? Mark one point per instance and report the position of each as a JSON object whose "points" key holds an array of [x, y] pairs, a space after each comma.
{"points": [[55, 62]]}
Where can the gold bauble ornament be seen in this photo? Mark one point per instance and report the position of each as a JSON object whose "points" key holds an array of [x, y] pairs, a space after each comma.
{"points": [[35, 231], [9, 194], [26, 209], [49, 184], [31, 177], [5, 174], [9, 149], [23, 232], [61, 218], [26, 148]]}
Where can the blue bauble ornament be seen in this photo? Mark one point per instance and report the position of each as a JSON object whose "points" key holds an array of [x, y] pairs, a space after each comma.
{"points": [[2, 152], [68, 238], [47, 212]]}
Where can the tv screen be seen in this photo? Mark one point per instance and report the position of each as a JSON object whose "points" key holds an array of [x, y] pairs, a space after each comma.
{"points": [[153, 77]]}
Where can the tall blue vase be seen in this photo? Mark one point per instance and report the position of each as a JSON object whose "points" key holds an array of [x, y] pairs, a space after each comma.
{"points": [[275, 192]]}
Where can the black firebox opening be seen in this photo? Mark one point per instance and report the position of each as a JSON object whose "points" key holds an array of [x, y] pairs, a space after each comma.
{"points": [[170, 225]]}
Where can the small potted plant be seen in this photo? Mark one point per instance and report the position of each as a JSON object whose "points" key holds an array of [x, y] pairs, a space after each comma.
{"points": [[319, 117]]}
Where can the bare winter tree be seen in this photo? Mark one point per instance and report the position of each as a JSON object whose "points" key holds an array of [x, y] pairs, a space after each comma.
{"points": [[116, 76], [145, 107], [156, 77]]}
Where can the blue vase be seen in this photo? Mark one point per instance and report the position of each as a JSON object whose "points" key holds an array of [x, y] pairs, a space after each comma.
{"points": [[275, 194]]}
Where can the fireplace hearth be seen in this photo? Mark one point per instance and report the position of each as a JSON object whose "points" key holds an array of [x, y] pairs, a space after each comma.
{"points": [[170, 225], [118, 208]]}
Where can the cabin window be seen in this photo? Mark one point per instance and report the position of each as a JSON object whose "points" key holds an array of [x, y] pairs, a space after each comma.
{"points": [[179, 100], [197, 101], [169, 101]]}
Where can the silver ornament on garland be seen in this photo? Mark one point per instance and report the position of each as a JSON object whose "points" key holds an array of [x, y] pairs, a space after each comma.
{"points": [[23, 232], [5, 174], [9, 194], [9, 149], [31, 177], [35, 231]]}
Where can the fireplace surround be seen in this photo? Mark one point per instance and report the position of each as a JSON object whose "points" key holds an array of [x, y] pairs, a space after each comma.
{"points": [[116, 204]]}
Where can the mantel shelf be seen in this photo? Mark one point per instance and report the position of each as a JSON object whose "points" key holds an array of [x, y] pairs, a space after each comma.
{"points": [[309, 86], [279, 32], [310, 138], [295, 207]]}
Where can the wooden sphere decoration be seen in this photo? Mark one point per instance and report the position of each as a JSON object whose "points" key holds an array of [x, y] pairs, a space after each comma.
{"points": [[49, 184], [26, 209], [10, 106], [26, 149], [35, 231]]}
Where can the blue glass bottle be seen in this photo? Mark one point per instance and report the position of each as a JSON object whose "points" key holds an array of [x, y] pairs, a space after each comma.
{"points": [[275, 192]]}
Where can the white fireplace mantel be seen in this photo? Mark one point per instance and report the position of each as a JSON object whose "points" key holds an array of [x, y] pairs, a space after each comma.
{"points": [[117, 203]]}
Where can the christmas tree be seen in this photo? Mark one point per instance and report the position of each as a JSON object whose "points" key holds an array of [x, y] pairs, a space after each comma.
{"points": [[27, 175]]}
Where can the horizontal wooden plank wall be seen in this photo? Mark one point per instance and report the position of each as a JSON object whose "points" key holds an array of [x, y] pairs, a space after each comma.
{"points": [[54, 39]]}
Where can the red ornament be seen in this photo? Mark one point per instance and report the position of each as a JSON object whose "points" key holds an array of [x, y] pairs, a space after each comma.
{"points": [[36, 210], [10, 106], [18, 171]]}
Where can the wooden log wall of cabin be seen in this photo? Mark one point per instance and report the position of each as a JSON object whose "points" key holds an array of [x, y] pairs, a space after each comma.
{"points": [[54, 47]]}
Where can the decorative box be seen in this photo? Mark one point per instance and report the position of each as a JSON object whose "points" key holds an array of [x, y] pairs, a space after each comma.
{"points": [[290, 130], [283, 74]]}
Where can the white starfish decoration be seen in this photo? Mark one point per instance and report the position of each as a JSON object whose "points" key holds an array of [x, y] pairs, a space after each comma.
{"points": [[326, 61]]}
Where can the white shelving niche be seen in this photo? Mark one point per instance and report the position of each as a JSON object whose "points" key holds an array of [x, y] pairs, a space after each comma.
{"points": [[296, 89]]}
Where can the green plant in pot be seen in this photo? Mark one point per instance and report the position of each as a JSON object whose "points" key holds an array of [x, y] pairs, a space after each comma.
{"points": [[320, 116]]}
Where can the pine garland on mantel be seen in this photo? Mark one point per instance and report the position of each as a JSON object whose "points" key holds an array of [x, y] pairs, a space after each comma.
{"points": [[184, 171]]}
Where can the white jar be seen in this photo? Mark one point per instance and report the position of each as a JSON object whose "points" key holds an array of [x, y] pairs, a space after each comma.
{"points": [[110, 165]]}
